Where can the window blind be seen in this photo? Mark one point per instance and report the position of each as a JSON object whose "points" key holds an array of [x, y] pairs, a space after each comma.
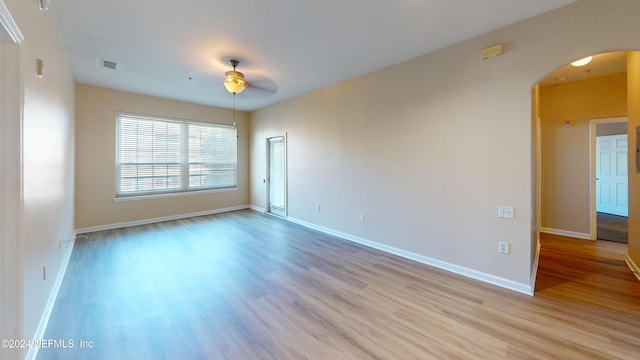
{"points": [[157, 155]]}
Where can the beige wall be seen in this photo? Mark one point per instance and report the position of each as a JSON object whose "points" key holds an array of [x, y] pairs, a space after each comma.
{"points": [[633, 75], [565, 150], [429, 161], [96, 110], [11, 279], [46, 185]]}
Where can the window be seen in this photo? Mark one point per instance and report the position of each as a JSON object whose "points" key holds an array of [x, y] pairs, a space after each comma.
{"points": [[156, 156]]}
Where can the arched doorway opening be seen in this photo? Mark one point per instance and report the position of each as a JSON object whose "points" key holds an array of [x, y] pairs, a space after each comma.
{"points": [[569, 99], [572, 106]]}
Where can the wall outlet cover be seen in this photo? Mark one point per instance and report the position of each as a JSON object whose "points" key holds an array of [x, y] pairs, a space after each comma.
{"points": [[503, 247]]}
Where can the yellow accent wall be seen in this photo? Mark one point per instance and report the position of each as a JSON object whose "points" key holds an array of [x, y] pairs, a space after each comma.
{"points": [[536, 166], [633, 76], [565, 150]]}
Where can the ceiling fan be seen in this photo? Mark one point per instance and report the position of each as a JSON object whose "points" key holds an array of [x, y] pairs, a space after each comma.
{"points": [[250, 84]]}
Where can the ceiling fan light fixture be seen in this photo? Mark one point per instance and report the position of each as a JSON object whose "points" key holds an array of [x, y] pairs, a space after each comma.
{"points": [[234, 80], [582, 62]]}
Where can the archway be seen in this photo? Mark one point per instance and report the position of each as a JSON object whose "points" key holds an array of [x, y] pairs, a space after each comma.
{"points": [[565, 104]]}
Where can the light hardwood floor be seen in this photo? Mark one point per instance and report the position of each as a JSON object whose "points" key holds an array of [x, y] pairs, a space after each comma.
{"points": [[244, 285]]}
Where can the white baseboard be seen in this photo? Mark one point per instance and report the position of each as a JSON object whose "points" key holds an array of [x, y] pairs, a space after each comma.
{"points": [[32, 354], [474, 274], [159, 219], [572, 234], [258, 209], [633, 266]]}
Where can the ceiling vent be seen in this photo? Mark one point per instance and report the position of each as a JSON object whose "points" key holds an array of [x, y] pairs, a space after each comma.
{"points": [[111, 65]]}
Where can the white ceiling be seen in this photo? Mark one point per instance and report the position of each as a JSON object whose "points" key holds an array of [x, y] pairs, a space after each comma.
{"points": [[180, 49]]}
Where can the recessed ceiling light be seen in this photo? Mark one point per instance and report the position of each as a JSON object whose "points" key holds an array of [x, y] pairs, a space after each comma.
{"points": [[582, 62]]}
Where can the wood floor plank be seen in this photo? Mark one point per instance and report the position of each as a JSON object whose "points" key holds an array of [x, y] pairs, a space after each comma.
{"points": [[245, 285]]}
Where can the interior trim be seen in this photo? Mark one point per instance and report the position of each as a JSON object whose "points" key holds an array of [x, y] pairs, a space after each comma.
{"points": [[572, 234], [593, 130], [158, 219], [9, 24], [46, 314], [534, 267], [633, 266], [460, 270]]}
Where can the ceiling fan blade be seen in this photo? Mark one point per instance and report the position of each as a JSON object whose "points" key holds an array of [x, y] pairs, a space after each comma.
{"points": [[262, 85]]}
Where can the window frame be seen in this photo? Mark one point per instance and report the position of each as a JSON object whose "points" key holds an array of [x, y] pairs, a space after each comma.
{"points": [[185, 187]]}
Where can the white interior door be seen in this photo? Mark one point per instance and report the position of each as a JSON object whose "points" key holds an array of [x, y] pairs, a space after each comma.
{"points": [[277, 177], [611, 175]]}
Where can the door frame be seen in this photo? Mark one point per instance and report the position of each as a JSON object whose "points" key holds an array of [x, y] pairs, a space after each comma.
{"points": [[286, 175], [614, 140], [593, 219]]}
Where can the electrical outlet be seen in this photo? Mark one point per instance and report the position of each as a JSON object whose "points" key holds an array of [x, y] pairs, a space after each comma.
{"points": [[505, 212], [361, 218], [503, 247]]}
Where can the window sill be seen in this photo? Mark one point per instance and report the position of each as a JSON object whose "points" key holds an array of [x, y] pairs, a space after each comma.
{"points": [[175, 194]]}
